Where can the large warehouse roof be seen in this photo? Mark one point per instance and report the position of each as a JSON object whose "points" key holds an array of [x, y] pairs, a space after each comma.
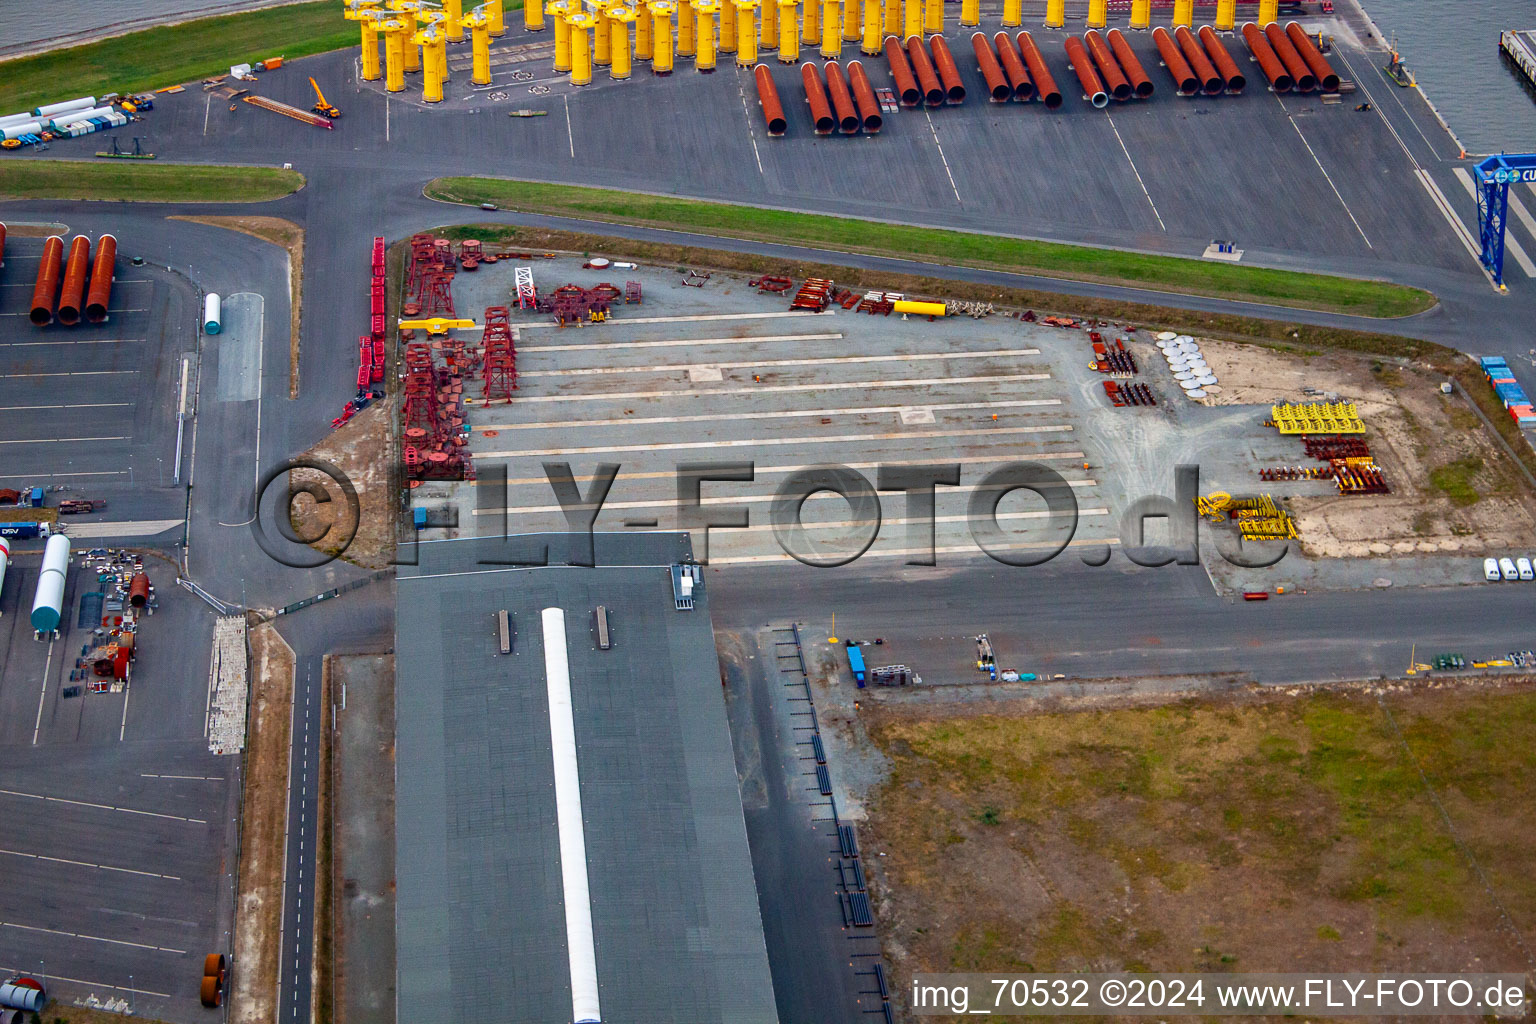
{"points": [[481, 925]]}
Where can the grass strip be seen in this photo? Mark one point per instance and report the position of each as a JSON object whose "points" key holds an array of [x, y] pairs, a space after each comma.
{"points": [[127, 182], [1324, 292]]}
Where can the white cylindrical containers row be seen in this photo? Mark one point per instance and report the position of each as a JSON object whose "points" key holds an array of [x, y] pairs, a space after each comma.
{"points": [[10, 119], [16, 131], [212, 309], [73, 116], [83, 103], [5, 559], [48, 606], [23, 994]]}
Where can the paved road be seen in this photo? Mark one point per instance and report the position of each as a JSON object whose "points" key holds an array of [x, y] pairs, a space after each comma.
{"points": [[294, 975]]}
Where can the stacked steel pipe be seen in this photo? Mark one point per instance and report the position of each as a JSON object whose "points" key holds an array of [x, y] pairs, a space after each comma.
{"points": [[1301, 75], [100, 292], [1199, 61], [842, 99], [72, 294], [1013, 67], [949, 74], [1233, 79], [1109, 68], [1173, 60], [1045, 84], [991, 70], [1279, 79], [768, 99], [864, 98], [1140, 83], [1093, 88], [47, 286], [901, 73], [816, 98], [1327, 78], [927, 81]]}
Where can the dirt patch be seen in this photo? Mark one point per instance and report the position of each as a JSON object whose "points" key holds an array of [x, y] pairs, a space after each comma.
{"points": [[259, 904], [290, 236], [14, 230], [56, 1012], [1260, 832], [1454, 488], [360, 449]]}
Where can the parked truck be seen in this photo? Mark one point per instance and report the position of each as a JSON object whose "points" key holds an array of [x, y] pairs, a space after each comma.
{"points": [[25, 530], [80, 506]]}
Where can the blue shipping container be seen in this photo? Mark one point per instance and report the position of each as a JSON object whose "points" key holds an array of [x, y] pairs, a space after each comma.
{"points": [[856, 663]]}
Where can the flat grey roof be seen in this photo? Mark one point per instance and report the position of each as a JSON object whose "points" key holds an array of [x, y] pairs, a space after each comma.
{"points": [[480, 920]]}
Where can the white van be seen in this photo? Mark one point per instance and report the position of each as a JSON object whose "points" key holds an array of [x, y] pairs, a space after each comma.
{"points": [[1491, 569], [1507, 567], [1523, 567]]}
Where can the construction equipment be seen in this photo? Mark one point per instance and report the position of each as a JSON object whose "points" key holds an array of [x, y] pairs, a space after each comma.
{"points": [[1317, 418], [324, 107], [116, 152], [287, 111], [437, 325], [527, 113], [986, 661]]}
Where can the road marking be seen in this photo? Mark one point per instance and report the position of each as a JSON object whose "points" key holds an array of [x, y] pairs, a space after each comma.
{"points": [[935, 131], [62, 440], [386, 117], [123, 528], [758, 363], [1134, 171], [188, 778], [570, 134], [47, 669], [207, 110], [905, 435], [97, 405], [69, 373], [1448, 212], [759, 389], [122, 728], [760, 499], [58, 476], [695, 318], [101, 807], [91, 938], [1511, 243], [774, 415], [101, 341], [751, 130], [92, 984], [762, 471], [956, 549], [676, 342], [113, 311], [88, 864], [1326, 175]]}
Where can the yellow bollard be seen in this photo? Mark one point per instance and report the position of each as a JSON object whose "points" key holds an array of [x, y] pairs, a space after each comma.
{"points": [[933, 17], [872, 36], [453, 20], [768, 26], [394, 56], [1013, 13], [789, 33], [602, 55], [1226, 15], [810, 22], [1056, 13], [1141, 14], [496, 19], [970, 13], [686, 23], [1098, 13], [618, 41], [851, 21], [914, 19], [704, 34], [533, 17], [1183, 13], [746, 33], [727, 27], [831, 38], [480, 48], [1269, 12], [370, 52], [562, 35], [661, 38], [581, 49]]}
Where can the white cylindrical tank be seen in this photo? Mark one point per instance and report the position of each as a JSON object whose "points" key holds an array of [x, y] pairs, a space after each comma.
{"points": [[48, 606], [83, 103], [75, 116], [5, 559], [211, 310], [16, 131], [23, 994], [10, 119]]}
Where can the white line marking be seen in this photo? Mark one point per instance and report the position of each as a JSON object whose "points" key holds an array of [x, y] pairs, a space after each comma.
{"points": [[92, 984], [100, 807], [763, 471], [386, 117], [1449, 213], [696, 318], [762, 499], [207, 109], [57, 476], [47, 670], [88, 864], [953, 187], [759, 389], [38, 344], [776, 414], [751, 129], [957, 549], [71, 373], [62, 440], [759, 363], [97, 405], [770, 441], [1134, 171], [122, 728], [1326, 175], [570, 133], [677, 342], [1511, 244], [188, 778], [91, 938]]}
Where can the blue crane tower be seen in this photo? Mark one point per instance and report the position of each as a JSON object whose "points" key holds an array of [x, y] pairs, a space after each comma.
{"points": [[1494, 176]]}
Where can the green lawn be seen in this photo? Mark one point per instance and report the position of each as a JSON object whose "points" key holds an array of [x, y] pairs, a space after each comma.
{"points": [[173, 54], [137, 181], [1050, 259]]}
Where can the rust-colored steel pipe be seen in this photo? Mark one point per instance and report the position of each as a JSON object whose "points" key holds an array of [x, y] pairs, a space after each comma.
{"points": [[1093, 89], [1210, 81], [2, 244], [72, 295], [768, 99], [991, 70], [47, 287], [101, 279], [1327, 78], [1013, 67], [816, 96], [1304, 79], [864, 97], [842, 99], [901, 73], [1226, 67], [1109, 68], [1258, 45], [1174, 61], [1129, 64], [1045, 83], [949, 74], [923, 68]]}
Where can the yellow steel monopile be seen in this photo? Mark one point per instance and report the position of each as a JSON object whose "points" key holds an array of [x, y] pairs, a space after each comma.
{"points": [[661, 37], [453, 20], [1013, 13], [970, 13], [394, 54], [727, 27], [686, 23], [1269, 11], [914, 18], [1226, 15], [431, 39], [1141, 14], [618, 40], [891, 25], [746, 33], [407, 12], [642, 32], [831, 36], [479, 46], [872, 37], [1056, 13], [581, 48], [496, 21], [1098, 13], [933, 17], [368, 17], [852, 16], [810, 23], [704, 12], [602, 33], [557, 11], [768, 26], [789, 32], [1183, 13]]}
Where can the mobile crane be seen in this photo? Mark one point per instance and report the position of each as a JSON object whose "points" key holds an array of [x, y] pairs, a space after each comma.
{"points": [[323, 108]]}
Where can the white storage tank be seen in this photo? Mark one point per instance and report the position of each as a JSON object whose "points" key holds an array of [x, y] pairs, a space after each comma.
{"points": [[211, 311], [82, 103], [5, 559], [10, 119], [48, 606], [70, 117], [16, 131], [23, 994]]}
